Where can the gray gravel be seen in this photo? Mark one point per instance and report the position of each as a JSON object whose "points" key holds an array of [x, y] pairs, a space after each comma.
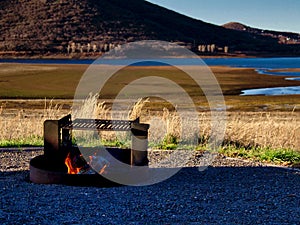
{"points": [[228, 192]]}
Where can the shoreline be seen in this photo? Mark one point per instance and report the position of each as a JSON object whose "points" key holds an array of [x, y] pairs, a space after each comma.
{"points": [[19, 55]]}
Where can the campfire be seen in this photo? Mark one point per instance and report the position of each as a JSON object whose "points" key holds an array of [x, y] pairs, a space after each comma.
{"points": [[65, 163], [77, 164]]}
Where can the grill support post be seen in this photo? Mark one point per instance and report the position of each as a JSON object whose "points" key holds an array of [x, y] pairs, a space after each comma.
{"points": [[57, 141], [139, 144], [51, 138]]}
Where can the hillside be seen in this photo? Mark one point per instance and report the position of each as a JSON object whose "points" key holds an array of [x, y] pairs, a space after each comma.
{"points": [[50, 26], [282, 37]]}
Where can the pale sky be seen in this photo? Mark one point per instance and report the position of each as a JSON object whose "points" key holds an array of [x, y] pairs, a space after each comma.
{"points": [[280, 15]]}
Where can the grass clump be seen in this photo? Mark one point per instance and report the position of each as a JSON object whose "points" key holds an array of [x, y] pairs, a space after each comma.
{"points": [[269, 155], [170, 142]]}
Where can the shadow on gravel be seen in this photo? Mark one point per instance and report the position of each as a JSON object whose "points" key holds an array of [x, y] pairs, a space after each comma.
{"points": [[218, 195], [226, 175], [20, 176]]}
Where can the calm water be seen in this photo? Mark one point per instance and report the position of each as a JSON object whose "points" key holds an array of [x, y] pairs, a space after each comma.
{"points": [[259, 63], [265, 66], [262, 65], [294, 90]]}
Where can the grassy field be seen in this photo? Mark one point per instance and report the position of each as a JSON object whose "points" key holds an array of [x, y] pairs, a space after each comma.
{"points": [[24, 81], [39, 81], [256, 125]]}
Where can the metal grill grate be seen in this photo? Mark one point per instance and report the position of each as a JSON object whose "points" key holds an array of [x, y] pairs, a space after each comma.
{"points": [[91, 124]]}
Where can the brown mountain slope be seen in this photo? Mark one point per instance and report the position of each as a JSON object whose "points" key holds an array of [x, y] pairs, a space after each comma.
{"points": [[41, 26]]}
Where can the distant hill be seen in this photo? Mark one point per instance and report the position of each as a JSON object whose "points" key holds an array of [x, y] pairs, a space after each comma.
{"points": [[282, 37], [58, 26]]}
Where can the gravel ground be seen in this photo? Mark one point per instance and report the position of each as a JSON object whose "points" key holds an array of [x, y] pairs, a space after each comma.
{"points": [[228, 192]]}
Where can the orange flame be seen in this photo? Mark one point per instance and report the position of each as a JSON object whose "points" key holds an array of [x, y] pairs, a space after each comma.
{"points": [[71, 168]]}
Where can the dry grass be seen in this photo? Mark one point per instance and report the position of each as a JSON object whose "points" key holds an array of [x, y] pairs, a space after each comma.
{"points": [[252, 129], [25, 128], [274, 130], [244, 129]]}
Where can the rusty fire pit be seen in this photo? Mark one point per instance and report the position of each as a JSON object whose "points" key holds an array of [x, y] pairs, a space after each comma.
{"points": [[63, 163]]}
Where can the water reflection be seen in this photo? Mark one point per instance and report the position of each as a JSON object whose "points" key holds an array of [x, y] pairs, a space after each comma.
{"points": [[291, 75], [294, 90]]}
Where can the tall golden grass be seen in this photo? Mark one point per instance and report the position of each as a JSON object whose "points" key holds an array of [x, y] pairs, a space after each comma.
{"points": [[24, 126], [265, 129], [245, 129]]}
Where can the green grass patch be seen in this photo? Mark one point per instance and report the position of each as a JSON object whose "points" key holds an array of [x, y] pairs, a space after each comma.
{"points": [[286, 157], [277, 156], [33, 141]]}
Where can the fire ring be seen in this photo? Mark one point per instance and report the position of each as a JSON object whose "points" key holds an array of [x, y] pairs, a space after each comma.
{"points": [[62, 163], [42, 172]]}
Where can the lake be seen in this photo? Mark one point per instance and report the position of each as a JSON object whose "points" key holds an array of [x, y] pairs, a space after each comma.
{"points": [[265, 66], [262, 66]]}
